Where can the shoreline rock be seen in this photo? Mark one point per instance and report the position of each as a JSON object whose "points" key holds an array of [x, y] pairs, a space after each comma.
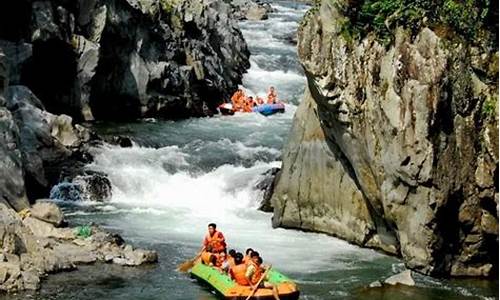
{"points": [[33, 248]]}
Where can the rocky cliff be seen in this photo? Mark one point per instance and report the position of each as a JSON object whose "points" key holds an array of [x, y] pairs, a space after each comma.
{"points": [[124, 59], [395, 145], [65, 62]]}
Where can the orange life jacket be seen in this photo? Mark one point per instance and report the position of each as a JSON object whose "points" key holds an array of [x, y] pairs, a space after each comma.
{"points": [[238, 100], [217, 246], [230, 261], [206, 257], [257, 274], [238, 274], [248, 105], [246, 259]]}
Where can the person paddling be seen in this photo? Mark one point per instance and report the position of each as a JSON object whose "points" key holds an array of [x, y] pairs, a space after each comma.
{"points": [[255, 271], [215, 239], [238, 271]]}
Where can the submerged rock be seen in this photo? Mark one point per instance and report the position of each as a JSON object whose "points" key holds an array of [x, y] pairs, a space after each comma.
{"points": [[87, 186], [375, 284], [403, 278], [395, 146]]}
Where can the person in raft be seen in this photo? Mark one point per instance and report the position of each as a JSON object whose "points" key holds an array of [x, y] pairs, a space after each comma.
{"points": [[238, 100], [249, 104], [272, 96], [250, 273], [214, 240]]}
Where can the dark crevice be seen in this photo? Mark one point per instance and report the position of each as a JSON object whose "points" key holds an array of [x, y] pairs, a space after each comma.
{"points": [[15, 20], [50, 73], [448, 230]]}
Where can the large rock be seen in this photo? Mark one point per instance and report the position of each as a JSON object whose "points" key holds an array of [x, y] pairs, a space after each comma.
{"points": [[88, 186], [47, 211], [266, 185], [43, 140], [251, 10], [395, 147], [12, 189]]}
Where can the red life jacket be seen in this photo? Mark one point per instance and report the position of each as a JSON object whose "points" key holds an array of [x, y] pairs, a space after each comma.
{"points": [[238, 274]]}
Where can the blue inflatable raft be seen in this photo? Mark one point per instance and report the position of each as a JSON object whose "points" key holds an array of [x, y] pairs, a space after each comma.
{"points": [[270, 109]]}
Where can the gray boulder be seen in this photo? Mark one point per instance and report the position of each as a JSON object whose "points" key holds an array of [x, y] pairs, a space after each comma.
{"points": [[403, 278], [12, 189], [47, 211], [251, 10]]}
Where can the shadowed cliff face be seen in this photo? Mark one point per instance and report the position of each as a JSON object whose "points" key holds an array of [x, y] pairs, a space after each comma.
{"points": [[125, 59], [396, 147]]}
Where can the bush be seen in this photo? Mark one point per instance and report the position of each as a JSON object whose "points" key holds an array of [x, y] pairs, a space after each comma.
{"points": [[489, 108], [464, 17]]}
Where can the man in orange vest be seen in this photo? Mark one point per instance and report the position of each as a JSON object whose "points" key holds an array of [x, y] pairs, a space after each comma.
{"points": [[238, 100], [215, 239], [254, 272]]}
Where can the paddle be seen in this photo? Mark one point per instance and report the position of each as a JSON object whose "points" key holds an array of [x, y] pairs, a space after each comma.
{"points": [[188, 264], [258, 283]]}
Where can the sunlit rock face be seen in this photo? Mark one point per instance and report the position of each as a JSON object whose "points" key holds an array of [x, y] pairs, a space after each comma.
{"points": [[396, 147]]}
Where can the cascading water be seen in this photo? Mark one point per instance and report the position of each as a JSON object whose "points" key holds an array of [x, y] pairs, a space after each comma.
{"points": [[179, 176]]}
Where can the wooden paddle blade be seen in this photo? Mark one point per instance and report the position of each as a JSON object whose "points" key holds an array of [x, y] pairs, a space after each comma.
{"points": [[186, 266]]}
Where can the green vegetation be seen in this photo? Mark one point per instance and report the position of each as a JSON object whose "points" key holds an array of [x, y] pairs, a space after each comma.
{"points": [[168, 6], [489, 108], [464, 17]]}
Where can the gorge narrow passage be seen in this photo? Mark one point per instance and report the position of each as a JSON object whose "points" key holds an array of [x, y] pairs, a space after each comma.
{"points": [[179, 176]]}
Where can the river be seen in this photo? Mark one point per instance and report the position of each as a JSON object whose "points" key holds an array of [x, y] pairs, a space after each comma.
{"points": [[179, 176]]}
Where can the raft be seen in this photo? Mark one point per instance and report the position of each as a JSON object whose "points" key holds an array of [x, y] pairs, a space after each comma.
{"points": [[270, 109], [226, 109], [230, 290]]}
